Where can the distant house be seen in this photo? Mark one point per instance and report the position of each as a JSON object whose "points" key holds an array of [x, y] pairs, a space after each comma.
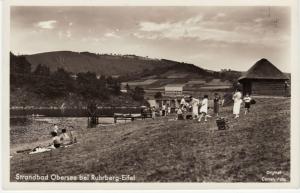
{"points": [[74, 76], [263, 78], [174, 89]]}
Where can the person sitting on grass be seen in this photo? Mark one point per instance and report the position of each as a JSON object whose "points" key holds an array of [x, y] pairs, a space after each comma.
{"points": [[55, 139], [203, 108], [55, 128], [247, 101], [65, 139]]}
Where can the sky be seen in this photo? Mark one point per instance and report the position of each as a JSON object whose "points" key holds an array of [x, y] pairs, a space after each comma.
{"points": [[214, 38]]}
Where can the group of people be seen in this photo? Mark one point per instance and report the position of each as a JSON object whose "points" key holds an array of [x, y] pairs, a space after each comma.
{"points": [[165, 110], [199, 108], [63, 138], [238, 100], [196, 108]]}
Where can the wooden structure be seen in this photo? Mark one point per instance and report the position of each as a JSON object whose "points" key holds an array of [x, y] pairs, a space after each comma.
{"points": [[263, 78], [131, 117], [174, 89]]}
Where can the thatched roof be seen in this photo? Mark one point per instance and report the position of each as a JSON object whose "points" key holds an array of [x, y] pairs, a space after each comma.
{"points": [[263, 69]]}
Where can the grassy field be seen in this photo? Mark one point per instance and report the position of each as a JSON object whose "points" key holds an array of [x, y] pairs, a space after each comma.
{"points": [[165, 150]]}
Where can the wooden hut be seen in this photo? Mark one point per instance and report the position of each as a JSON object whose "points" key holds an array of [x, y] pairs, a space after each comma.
{"points": [[263, 78]]}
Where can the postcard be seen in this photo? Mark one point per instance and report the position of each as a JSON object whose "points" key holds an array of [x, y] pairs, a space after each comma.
{"points": [[150, 95]]}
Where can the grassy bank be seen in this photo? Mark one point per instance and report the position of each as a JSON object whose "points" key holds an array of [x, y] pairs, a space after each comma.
{"points": [[177, 151]]}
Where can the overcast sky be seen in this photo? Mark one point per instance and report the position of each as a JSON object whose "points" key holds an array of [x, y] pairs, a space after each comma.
{"points": [[211, 37]]}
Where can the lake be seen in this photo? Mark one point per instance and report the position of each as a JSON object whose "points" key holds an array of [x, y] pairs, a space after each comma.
{"points": [[51, 112], [29, 130]]}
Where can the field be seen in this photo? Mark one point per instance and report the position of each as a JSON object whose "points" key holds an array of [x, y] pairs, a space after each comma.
{"points": [[165, 150]]}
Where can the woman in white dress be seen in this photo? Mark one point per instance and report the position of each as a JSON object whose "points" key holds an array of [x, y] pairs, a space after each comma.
{"points": [[195, 104], [203, 108], [237, 99]]}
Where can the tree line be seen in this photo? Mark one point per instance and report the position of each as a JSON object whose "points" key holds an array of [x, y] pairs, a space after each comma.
{"points": [[61, 83]]}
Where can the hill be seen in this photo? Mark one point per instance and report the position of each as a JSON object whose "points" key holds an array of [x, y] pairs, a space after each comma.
{"points": [[104, 64], [164, 150], [121, 65], [49, 77]]}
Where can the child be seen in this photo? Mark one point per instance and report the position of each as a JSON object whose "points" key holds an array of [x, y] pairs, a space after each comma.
{"points": [[217, 104], [153, 112], [164, 110], [169, 109], [203, 108], [247, 101], [179, 114]]}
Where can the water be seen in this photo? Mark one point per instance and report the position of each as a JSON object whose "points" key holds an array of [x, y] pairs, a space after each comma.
{"points": [[49, 112], [34, 129]]}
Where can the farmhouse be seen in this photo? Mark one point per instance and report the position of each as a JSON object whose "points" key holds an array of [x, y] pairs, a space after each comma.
{"points": [[263, 78]]}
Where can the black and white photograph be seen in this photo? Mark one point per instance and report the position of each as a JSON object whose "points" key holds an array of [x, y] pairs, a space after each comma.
{"points": [[150, 94]]}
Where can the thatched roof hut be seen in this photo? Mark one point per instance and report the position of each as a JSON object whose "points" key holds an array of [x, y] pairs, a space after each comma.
{"points": [[263, 78]]}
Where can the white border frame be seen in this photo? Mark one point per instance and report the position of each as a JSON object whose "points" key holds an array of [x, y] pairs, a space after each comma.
{"points": [[295, 124]]}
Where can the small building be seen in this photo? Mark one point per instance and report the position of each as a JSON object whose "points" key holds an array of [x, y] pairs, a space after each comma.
{"points": [[263, 78], [174, 90], [74, 76]]}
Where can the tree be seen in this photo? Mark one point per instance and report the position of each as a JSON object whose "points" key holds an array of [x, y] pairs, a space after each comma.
{"points": [[41, 70], [89, 87], [58, 84], [20, 71], [116, 88], [138, 94], [158, 95], [19, 64]]}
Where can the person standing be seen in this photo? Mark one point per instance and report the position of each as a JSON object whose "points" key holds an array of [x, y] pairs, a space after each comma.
{"points": [[286, 88], [203, 108], [153, 112], [182, 102], [217, 104], [179, 114], [237, 100], [195, 110], [163, 110], [143, 110], [169, 109], [247, 101]]}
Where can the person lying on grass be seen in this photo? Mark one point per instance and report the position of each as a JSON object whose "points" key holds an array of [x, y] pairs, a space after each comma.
{"points": [[56, 144]]}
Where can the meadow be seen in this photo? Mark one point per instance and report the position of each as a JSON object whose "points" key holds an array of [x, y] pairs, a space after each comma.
{"points": [[166, 150]]}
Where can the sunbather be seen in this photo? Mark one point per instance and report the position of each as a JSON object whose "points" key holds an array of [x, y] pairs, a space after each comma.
{"points": [[56, 140], [65, 139]]}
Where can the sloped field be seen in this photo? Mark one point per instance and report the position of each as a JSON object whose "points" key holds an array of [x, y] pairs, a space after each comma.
{"points": [[165, 150]]}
